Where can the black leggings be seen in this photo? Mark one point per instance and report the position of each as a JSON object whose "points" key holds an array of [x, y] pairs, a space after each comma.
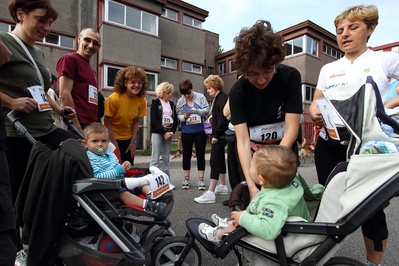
{"points": [[327, 156], [199, 141], [218, 159], [8, 230], [125, 156], [233, 164]]}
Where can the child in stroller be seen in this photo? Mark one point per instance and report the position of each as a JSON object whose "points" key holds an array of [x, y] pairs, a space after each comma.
{"points": [[105, 164], [354, 194], [273, 167], [59, 183]]}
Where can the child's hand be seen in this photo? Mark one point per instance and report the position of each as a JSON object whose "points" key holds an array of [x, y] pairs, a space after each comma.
{"points": [[126, 165], [235, 218]]}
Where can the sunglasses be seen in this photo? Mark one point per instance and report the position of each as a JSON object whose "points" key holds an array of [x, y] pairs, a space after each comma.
{"points": [[90, 40]]}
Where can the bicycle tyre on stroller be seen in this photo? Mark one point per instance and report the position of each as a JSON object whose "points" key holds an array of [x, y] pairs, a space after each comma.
{"points": [[170, 249], [344, 261]]}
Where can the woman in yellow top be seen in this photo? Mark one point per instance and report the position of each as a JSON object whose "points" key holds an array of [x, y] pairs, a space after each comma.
{"points": [[124, 108]]}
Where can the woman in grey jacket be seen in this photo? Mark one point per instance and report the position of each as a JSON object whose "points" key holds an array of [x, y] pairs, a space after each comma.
{"points": [[192, 109]]}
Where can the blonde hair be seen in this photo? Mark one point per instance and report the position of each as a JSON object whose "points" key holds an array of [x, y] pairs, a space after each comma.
{"points": [[96, 128], [163, 88], [277, 164], [368, 14], [214, 81]]}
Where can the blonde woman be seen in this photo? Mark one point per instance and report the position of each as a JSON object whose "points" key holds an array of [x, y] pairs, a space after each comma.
{"points": [[214, 86], [163, 125]]}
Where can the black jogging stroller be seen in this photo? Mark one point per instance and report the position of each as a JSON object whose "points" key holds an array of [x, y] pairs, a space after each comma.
{"points": [[354, 193], [66, 227]]}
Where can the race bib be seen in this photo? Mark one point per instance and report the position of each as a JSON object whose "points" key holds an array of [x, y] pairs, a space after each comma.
{"points": [[93, 95], [193, 119], [159, 184], [269, 133], [167, 121], [39, 95]]}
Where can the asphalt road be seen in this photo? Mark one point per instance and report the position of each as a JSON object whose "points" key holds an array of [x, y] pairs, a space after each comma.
{"points": [[185, 207]]}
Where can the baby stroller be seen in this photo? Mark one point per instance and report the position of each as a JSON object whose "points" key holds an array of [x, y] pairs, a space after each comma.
{"points": [[66, 215], [353, 194]]}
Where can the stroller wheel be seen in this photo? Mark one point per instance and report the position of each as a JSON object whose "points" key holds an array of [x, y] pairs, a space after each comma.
{"points": [[344, 261], [161, 238], [169, 251]]}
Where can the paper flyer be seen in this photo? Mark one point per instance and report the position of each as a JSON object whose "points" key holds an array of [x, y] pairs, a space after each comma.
{"points": [[326, 111]]}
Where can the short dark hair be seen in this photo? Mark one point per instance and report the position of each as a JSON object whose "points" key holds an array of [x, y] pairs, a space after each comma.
{"points": [[53, 78], [185, 86]]}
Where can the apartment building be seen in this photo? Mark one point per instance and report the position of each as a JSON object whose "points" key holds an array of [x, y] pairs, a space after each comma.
{"points": [[166, 39]]}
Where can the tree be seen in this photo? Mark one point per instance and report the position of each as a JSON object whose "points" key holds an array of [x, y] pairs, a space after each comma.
{"points": [[220, 49]]}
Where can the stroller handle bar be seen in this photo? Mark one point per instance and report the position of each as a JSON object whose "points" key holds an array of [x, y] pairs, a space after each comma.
{"points": [[14, 117]]}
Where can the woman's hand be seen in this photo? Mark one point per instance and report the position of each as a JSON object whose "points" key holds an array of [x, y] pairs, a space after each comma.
{"points": [[132, 149], [24, 104], [214, 140], [318, 120], [168, 135]]}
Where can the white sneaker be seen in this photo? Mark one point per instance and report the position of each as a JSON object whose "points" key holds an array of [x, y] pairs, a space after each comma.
{"points": [[208, 232], [221, 189], [20, 260], [207, 197], [220, 222]]}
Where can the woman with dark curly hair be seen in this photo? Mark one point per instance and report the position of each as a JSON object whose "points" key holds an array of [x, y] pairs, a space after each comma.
{"points": [[266, 102], [124, 108]]}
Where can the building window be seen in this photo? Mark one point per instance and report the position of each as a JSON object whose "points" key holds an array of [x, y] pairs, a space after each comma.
{"points": [[210, 71], [294, 46], [309, 93], [131, 17], [170, 63], [222, 68], [152, 80], [395, 49], [192, 68], [311, 46], [332, 52], [59, 40], [298, 45], [231, 66], [110, 74], [192, 22], [5, 27], [169, 14]]}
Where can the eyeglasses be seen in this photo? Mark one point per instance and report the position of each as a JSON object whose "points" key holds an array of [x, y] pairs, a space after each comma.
{"points": [[264, 75], [140, 83], [187, 93], [90, 40]]}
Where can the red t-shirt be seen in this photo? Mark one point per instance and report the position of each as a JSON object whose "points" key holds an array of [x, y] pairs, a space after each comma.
{"points": [[84, 84]]}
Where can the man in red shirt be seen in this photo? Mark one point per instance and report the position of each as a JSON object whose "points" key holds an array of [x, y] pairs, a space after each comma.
{"points": [[77, 79]]}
